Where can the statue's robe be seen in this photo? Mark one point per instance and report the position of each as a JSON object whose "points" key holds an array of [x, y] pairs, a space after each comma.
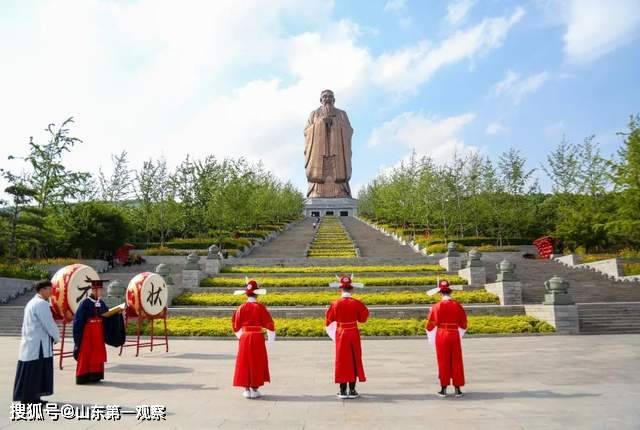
{"points": [[328, 153]]}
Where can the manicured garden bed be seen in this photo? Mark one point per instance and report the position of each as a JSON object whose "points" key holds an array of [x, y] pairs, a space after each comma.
{"points": [[325, 297], [314, 327], [23, 270], [316, 281]]}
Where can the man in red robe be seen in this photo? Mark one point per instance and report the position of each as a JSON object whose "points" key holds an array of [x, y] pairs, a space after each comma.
{"points": [[248, 321], [341, 323], [93, 326], [447, 323]]}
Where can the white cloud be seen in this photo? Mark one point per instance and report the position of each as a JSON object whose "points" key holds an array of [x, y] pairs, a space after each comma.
{"points": [[516, 87], [435, 137], [396, 6], [158, 79], [496, 128], [401, 11], [458, 10], [596, 27], [405, 70]]}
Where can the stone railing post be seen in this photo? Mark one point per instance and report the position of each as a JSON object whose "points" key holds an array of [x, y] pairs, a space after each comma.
{"points": [[213, 264], [115, 293], [192, 274], [507, 287], [452, 260], [558, 308], [474, 273], [165, 271]]}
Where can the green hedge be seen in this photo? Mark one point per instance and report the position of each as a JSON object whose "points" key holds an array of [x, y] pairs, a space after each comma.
{"points": [[326, 297], [314, 327], [23, 270], [319, 281], [334, 269]]}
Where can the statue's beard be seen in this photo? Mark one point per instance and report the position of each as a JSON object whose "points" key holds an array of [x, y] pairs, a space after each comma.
{"points": [[328, 109]]}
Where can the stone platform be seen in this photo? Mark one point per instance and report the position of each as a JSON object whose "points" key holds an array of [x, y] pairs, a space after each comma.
{"points": [[526, 383], [330, 207]]}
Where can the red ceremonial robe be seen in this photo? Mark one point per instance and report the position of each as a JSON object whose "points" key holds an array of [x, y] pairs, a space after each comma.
{"points": [[88, 334], [447, 316], [348, 312], [252, 363]]}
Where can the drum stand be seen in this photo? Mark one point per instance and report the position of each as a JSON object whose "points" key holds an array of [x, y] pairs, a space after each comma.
{"points": [[139, 320], [60, 352]]}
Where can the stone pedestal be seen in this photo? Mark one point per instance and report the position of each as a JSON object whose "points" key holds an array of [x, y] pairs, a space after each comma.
{"points": [[339, 206], [509, 292], [192, 273], [474, 273], [563, 317], [173, 289], [452, 261], [476, 277], [213, 264], [557, 292], [115, 294]]}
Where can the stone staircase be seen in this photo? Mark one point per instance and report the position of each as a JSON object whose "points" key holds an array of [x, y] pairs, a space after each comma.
{"points": [[598, 318], [290, 244], [586, 286], [372, 243]]}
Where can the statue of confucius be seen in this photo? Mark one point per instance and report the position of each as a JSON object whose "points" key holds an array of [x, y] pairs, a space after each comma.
{"points": [[327, 150]]}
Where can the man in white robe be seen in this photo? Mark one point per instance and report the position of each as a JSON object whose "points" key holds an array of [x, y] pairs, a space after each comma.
{"points": [[34, 374]]}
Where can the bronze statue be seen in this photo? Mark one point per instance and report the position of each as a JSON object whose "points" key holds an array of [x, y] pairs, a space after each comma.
{"points": [[327, 150]]}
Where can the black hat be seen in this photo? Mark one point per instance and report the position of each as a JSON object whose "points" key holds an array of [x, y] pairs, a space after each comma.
{"points": [[96, 283]]}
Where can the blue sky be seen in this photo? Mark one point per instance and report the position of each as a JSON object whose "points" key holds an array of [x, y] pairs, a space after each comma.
{"points": [[238, 78]]}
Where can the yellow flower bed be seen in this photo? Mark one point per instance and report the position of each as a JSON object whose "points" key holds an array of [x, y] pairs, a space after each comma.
{"points": [[320, 281], [325, 297], [314, 327]]}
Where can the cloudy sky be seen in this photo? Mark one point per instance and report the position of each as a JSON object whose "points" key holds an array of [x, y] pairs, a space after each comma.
{"points": [[239, 77]]}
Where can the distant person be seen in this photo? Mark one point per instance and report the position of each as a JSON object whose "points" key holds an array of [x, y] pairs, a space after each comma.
{"points": [[34, 375], [341, 321], [249, 322], [446, 324]]}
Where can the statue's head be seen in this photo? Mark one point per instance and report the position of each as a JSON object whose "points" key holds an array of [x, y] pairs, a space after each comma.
{"points": [[327, 98]]}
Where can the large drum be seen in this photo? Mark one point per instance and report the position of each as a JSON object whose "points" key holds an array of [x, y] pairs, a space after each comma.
{"points": [[69, 288], [147, 295]]}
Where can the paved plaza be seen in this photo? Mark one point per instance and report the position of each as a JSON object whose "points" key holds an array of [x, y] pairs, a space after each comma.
{"points": [[537, 382]]}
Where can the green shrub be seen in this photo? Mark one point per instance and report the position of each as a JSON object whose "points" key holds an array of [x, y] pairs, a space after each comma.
{"points": [[320, 281], [23, 270], [630, 269], [439, 248], [314, 327], [325, 297], [333, 269]]}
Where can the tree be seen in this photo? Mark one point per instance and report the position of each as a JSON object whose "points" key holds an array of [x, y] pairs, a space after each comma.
{"points": [[21, 196], [50, 180], [118, 186], [562, 167]]}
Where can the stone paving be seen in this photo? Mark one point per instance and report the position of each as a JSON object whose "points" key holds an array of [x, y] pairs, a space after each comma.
{"points": [[537, 382]]}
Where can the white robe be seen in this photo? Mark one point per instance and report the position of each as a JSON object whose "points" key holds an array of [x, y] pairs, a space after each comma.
{"points": [[38, 329]]}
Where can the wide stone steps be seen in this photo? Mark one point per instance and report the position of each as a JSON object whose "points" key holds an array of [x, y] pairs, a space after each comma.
{"points": [[585, 286], [372, 243], [292, 243], [598, 318]]}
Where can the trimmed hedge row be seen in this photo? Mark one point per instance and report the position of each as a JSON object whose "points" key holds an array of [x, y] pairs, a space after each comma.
{"points": [[334, 269], [23, 270], [326, 297], [314, 327], [320, 281]]}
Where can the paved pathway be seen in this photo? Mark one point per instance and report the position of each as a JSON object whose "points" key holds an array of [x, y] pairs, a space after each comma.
{"points": [[552, 382]]}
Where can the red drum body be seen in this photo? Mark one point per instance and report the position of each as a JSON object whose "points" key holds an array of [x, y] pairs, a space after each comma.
{"points": [[147, 295], [69, 288]]}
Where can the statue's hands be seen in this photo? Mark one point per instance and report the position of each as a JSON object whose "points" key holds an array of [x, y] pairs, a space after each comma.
{"points": [[328, 120]]}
